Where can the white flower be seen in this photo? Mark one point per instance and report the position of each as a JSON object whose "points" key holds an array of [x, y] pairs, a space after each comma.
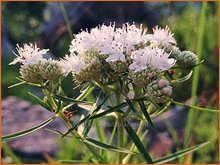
{"points": [[141, 59], [161, 36], [130, 35], [154, 56], [96, 38], [28, 54], [160, 59], [72, 63], [115, 51]]}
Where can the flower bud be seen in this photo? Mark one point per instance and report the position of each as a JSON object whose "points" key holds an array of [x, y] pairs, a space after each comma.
{"points": [[159, 91], [143, 78], [32, 72], [187, 59], [50, 70], [130, 94]]}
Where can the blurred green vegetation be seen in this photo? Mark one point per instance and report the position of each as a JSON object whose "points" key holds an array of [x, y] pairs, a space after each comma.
{"points": [[24, 20]]}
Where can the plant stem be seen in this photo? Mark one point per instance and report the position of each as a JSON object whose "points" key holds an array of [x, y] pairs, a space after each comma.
{"points": [[62, 7], [191, 115], [77, 135], [120, 129]]}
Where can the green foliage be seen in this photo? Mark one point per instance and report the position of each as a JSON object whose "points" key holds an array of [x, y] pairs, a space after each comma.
{"points": [[29, 15]]}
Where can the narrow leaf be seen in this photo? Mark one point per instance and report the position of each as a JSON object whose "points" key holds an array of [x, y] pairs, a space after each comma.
{"points": [[110, 110], [182, 79], [101, 145], [17, 84], [132, 134], [178, 154], [27, 131], [131, 105], [40, 101], [195, 107], [86, 92], [71, 100], [146, 115]]}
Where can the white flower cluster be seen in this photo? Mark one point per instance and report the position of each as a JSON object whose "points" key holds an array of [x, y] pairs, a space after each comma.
{"points": [[120, 45], [126, 57], [126, 49], [34, 67]]}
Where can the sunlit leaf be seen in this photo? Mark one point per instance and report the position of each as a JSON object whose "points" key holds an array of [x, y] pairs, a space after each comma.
{"points": [[183, 79], [40, 101], [101, 145], [71, 100], [178, 154]]}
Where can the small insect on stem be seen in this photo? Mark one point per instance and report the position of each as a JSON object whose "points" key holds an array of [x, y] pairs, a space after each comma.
{"points": [[68, 115]]}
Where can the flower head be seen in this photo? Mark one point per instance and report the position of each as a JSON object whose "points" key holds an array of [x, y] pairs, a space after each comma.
{"points": [[150, 56], [162, 37], [28, 54], [72, 63]]}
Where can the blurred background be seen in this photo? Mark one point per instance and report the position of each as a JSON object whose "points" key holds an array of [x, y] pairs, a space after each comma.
{"points": [[46, 23]]}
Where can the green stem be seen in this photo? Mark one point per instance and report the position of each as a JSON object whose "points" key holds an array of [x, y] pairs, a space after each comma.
{"points": [[192, 114], [120, 129], [113, 134], [77, 135], [62, 7]]}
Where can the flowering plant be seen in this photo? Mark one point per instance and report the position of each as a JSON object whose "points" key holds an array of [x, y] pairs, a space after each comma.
{"points": [[133, 69]]}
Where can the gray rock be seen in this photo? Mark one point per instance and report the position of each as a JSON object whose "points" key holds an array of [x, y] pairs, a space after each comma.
{"points": [[18, 115]]}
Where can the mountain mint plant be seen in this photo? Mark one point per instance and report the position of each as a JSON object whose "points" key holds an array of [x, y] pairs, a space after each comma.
{"points": [[132, 68]]}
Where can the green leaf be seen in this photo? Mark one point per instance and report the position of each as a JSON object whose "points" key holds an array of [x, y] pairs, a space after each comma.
{"points": [[40, 101], [178, 154], [183, 79], [132, 134], [71, 100], [27, 131], [110, 110], [72, 161], [195, 107], [131, 105], [86, 92], [101, 145], [146, 115]]}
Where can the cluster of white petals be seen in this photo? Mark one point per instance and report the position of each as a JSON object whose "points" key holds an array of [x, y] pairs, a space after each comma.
{"points": [[161, 37], [119, 44], [28, 54], [71, 63]]}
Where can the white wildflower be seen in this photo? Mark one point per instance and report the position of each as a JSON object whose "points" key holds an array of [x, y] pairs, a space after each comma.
{"points": [[160, 59], [28, 54], [153, 56], [129, 36], [161, 37], [115, 51], [72, 63]]}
